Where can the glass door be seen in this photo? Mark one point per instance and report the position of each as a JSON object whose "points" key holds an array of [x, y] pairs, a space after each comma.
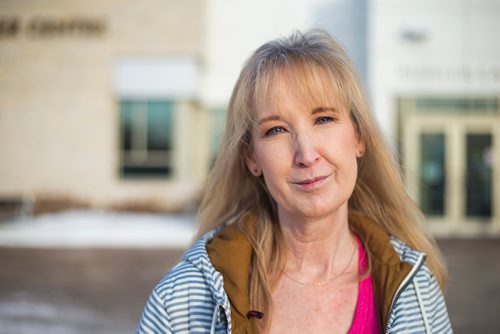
{"points": [[451, 161], [432, 173], [479, 175]]}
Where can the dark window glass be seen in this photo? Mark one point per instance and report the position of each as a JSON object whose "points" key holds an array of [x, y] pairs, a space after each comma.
{"points": [[126, 124], [145, 172], [432, 174], [159, 126], [479, 175], [146, 138]]}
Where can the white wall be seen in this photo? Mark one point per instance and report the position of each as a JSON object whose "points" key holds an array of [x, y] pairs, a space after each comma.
{"points": [[431, 47], [234, 28]]}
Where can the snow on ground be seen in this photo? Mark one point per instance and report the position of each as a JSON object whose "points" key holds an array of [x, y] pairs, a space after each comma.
{"points": [[82, 228]]}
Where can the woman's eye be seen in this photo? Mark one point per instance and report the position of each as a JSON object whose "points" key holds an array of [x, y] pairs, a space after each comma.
{"points": [[274, 131], [324, 120]]}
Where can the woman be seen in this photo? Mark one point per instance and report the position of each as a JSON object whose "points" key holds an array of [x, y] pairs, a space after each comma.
{"points": [[305, 225]]}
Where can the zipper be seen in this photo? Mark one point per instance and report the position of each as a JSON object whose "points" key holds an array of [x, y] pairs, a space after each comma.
{"points": [[404, 284], [219, 311], [214, 318]]}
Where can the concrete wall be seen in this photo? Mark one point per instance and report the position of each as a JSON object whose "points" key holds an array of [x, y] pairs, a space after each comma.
{"points": [[59, 121]]}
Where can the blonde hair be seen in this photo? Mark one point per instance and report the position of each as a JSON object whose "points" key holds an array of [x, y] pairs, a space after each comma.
{"points": [[232, 192]]}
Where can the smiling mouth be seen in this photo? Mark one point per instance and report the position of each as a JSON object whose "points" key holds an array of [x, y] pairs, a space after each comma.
{"points": [[311, 183]]}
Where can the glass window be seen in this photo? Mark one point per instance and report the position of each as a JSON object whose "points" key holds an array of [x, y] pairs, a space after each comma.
{"points": [[432, 174], [126, 126], [218, 117], [146, 138], [159, 126], [479, 175]]}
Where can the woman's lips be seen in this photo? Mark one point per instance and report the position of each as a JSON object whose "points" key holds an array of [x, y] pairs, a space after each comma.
{"points": [[311, 183]]}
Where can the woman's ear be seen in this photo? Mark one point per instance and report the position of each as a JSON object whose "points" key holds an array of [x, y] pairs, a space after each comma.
{"points": [[252, 164], [360, 147], [360, 141]]}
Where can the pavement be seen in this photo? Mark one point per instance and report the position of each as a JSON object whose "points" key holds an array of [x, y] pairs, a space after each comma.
{"points": [[95, 275], [473, 292], [80, 291]]}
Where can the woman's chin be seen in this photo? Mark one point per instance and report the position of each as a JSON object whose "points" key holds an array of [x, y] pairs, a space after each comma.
{"points": [[317, 210]]}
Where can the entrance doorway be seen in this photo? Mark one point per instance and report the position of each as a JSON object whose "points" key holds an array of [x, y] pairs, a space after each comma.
{"points": [[451, 158]]}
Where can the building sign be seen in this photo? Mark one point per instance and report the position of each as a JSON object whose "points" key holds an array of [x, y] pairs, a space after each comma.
{"points": [[465, 74], [51, 27]]}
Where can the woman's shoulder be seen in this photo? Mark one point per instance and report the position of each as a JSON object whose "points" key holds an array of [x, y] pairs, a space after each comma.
{"points": [[406, 253], [415, 258], [419, 304], [183, 274], [187, 296], [194, 273]]}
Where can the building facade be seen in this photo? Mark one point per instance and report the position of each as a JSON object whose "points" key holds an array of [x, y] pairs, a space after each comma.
{"points": [[435, 85], [122, 103], [99, 102]]}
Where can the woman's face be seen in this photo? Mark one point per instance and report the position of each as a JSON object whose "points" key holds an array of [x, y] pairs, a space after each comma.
{"points": [[306, 153]]}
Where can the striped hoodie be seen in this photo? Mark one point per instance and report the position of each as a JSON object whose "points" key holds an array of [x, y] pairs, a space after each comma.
{"points": [[191, 298]]}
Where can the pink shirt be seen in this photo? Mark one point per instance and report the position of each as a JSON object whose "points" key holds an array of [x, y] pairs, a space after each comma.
{"points": [[365, 316]]}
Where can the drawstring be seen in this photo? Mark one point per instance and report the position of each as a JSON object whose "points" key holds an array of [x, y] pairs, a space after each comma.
{"points": [[422, 308], [214, 319]]}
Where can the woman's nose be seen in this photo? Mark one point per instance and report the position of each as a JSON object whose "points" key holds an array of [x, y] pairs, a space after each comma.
{"points": [[306, 153]]}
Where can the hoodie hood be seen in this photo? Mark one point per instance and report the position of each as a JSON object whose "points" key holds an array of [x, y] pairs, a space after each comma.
{"points": [[231, 254]]}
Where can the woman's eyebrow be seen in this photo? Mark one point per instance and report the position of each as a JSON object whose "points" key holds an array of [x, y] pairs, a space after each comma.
{"points": [[269, 118], [323, 109]]}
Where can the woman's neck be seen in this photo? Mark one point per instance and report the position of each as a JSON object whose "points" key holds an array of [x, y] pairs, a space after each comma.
{"points": [[319, 248]]}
